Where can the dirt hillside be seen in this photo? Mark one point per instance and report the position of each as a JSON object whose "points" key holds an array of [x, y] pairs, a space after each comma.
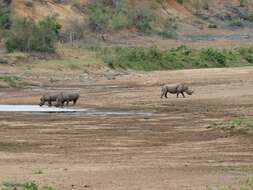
{"points": [[64, 11]]}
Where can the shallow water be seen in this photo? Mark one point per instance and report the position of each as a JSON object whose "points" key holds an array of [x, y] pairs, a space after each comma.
{"points": [[46, 109], [35, 108]]}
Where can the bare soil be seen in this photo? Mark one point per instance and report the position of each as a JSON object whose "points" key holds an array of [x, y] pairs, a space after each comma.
{"points": [[171, 149]]}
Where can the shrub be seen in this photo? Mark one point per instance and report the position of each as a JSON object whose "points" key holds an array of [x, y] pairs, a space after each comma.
{"points": [[198, 5], [140, 58], [98, 18], [248, 15], [108, 15], [214, 55], [243, 3], [10, 79], [236, 22], [45, 35], [120, 21], [169, 34], [247, 54], [25, 35], [142, 19], [20, 35], [76, 3], [5, 20], [169, 28]]}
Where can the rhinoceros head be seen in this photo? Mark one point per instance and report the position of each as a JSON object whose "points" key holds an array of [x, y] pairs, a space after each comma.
{"points": [[189, 92], [42, 100]]}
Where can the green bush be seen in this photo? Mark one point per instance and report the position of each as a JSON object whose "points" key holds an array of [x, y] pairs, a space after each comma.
{"points": [[147, 58], [214, 55], [98, 17], [120, 21], [45, 35], [240, 122], [236, 22], [169, 28], [107, 15], [25, 35], [142, 19], [76, 3], [169, 34], [5, 20], [247, 54], [153, 58], [10, 79], [243, 3]]}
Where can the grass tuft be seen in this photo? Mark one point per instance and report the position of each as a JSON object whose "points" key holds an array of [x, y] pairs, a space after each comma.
{"points": [[24, 186], [10, 79], [241, 122]]}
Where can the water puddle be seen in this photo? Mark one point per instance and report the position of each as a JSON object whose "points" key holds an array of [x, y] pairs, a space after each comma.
{"points": [[35, 108], [78, 111]]}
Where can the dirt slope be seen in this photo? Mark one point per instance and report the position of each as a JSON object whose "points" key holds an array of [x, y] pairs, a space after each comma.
{"points": [[65, 11]]}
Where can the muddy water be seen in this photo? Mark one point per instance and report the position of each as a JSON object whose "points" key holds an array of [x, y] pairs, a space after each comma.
{"points": [[78, 111]]}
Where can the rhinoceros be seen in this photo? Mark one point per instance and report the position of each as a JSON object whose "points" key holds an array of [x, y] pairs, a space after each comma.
{"points": [[66, 97], [49, 98], [176, 89]]}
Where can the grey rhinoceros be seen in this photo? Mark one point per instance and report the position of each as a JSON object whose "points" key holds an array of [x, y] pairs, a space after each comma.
{"points": [[49, 98], [66, 97], [176, 89]]}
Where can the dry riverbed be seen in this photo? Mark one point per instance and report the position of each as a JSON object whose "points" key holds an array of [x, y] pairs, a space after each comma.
{"points": [[170, 146]]}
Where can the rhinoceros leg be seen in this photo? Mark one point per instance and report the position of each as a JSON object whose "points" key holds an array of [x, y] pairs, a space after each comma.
{"points": [[74, 101], [183, 94], [49, 103], [59, 103], [163, 93], [166, 94]]}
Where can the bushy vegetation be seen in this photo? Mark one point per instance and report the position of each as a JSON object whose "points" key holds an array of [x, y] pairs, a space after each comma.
{"points": [[153, 58], [110, 15], [249, 16], [25, 186], [199, 5], [76, 3], [10, 79], [169, 28], [241, 122], [26, 35], [236, 22], [214, 55], [246, 53], [5, 20], [243, 3]]}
